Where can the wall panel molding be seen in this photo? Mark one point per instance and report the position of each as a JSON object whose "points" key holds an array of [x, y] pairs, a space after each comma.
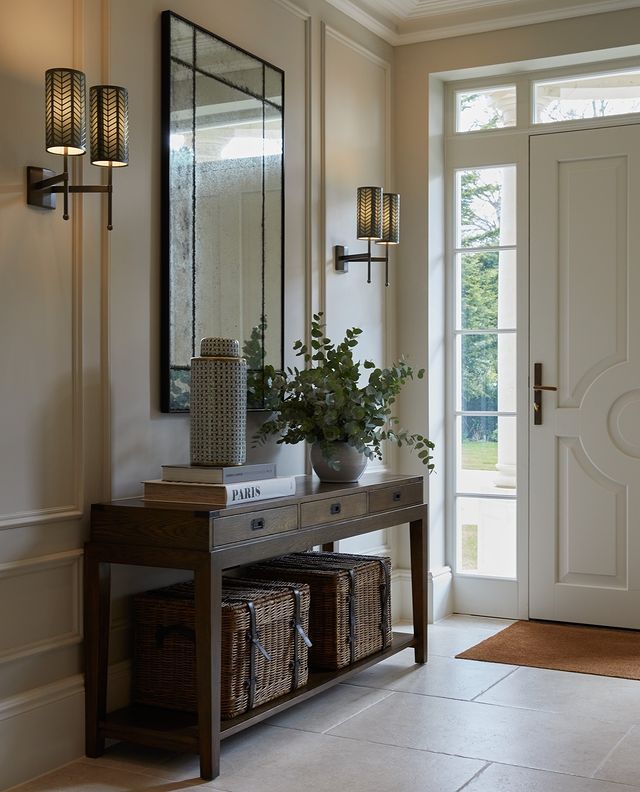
{"points": [[292, 8], [328, 32], [41, 696], [73, 510], [41, 516], [35, 566]]}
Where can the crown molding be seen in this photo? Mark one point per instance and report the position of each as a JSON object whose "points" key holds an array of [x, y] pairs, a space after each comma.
{"points": [[368, 21], [397, 38]]}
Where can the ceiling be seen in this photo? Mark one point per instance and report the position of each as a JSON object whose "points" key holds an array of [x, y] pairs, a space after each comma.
{"points": [[409, 21]]}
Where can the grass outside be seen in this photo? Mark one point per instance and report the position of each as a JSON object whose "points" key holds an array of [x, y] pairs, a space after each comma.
{"points": [[479, 455], [470, 547]]}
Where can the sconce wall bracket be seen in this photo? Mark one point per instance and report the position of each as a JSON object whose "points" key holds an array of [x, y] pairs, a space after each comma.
{"points": [[340, 261], [43, 184], [39, 184]]}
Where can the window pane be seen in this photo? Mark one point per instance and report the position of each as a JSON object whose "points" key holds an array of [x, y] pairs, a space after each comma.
{"points": [[486, 453], [487, 372], [486, 531], [478, 363], [587, 97], [490, 108], [486, 207], [487, 290]]}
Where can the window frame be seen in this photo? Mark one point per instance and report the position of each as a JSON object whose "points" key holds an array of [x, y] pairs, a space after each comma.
{"points": [[525, 110]]}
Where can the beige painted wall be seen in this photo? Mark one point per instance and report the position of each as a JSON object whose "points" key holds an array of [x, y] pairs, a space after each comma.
{"points": [[79, 309], [416, 140]]}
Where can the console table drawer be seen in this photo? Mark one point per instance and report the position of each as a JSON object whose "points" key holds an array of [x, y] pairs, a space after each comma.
{"points": [[253, 525], [395, 497], [333, 509]]}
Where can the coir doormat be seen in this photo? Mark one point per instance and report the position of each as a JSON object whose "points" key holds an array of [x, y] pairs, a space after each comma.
{"points": [[563, 647]]}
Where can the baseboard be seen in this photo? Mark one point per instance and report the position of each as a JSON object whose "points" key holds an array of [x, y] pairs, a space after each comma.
{"points": [[43, 729], [40, 730], [440, 593], [400, 595], [440, 597]]}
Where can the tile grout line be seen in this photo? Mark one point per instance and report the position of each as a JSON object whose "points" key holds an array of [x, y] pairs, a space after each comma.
{"points": [[506, 676], [478, 759], [473, 777], [359, 712], [614, 748]]}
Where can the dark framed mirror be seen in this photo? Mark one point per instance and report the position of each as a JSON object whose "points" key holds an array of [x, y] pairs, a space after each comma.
{"points": [[222, 206]]}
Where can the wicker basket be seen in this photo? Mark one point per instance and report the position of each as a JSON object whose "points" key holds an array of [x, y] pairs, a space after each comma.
{"points": [[264, 652], [350, 603]]}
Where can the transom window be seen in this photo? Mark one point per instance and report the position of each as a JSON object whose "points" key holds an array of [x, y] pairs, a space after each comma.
{"points": [[593, 96], [551, 97]]}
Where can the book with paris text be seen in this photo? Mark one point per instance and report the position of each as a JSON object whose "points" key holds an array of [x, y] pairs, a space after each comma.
{"points": [[230, 474], [219, 494]]}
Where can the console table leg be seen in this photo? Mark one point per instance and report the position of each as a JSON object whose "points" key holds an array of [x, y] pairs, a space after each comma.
{"points": [[418, 535], [208, 594], [97, 576]]}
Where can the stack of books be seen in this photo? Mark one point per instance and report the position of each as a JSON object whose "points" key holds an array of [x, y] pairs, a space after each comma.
{"points": [[218, 486]]}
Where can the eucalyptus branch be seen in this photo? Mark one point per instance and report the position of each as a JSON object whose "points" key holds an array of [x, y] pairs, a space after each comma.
{"points": [[326, 400]]}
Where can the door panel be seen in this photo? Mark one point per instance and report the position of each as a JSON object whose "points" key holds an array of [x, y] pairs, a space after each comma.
{"points": [[585, 457]]}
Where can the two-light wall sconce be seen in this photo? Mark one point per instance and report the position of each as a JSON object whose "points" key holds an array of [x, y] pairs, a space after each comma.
{"points": [[66, 134], [378, 220]]}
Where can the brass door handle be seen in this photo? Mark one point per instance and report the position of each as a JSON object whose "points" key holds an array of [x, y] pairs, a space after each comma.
{"points": [[537, 388]]}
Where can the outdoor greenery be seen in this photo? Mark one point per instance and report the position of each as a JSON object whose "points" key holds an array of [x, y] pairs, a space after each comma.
{"points": [[329, 400], [479, 455], [469, 547], [480, 227]]}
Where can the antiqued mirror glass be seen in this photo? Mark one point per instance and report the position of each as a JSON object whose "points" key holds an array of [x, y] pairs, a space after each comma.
{"points": [[222, 205]]}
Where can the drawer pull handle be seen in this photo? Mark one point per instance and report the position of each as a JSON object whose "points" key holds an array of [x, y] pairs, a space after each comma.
{"points": [[397, 495], [257, 524], [336, 508]]}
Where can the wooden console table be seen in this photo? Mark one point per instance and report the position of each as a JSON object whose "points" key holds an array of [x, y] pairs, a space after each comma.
{"points": [[208, 541]]}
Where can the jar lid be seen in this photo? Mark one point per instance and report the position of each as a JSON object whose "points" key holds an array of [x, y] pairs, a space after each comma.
{"points": [[220, 347]]}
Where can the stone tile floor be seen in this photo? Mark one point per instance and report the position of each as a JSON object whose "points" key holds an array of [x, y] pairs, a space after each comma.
{"points": [[447, 726]]}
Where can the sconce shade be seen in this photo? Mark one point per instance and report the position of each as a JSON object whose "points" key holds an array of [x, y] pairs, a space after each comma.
{"points": [[390, 219], [369, 213], [109, 126], [65, 111]]}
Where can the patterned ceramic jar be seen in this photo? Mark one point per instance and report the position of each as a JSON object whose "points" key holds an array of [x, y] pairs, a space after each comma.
{"points": [[218, 404]]}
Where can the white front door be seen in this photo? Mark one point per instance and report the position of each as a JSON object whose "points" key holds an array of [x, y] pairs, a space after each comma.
{"points": [[585, 331]]}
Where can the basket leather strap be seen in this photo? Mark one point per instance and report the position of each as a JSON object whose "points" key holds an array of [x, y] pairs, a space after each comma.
{"points": [[384, 598], [298, 632], [352, 615], [254, 640]]}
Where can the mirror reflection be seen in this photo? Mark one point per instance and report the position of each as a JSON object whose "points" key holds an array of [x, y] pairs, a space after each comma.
{"points": [[223, 197]]}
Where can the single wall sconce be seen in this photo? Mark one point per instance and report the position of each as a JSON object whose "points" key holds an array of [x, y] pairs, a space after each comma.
{"points": [[66, 135], [378, 220]]}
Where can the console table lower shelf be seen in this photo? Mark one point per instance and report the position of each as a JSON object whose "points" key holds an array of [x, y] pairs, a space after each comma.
{"points": [[178, 731], [207, 541]]}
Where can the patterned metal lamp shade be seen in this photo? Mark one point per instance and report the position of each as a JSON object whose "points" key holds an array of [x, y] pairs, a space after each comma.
{"points": [[369, 211], [65, 111], [109, 126], [390, 219]]}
